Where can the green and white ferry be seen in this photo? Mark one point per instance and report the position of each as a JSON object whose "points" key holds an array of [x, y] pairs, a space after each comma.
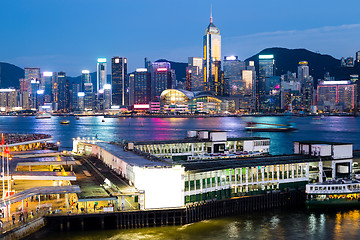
{"points": [[333, 193]]}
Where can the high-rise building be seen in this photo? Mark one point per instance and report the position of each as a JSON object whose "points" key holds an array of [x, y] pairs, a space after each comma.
{"points": [[233, 68], [147, 64], [266, 70], [336, 96], [303, 71], [85, 78], [31, 82], [34, 87], [47, 79], [62, 92], [88, 96], [358, 56], [142, 86], [75, 89], [120, 94], [212, 53], [161, 78], [194, 76], [101, 74], [131, 89]]}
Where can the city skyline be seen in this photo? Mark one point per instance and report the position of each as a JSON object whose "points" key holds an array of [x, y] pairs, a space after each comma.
{"points": [[58, 44]]}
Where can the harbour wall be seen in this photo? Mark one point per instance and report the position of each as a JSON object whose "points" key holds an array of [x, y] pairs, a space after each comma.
{"points": [[24, 230], [176, 216]]}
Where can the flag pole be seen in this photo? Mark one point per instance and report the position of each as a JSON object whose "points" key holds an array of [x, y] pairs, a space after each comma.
{"points": [[3, 165], [8, 169]]}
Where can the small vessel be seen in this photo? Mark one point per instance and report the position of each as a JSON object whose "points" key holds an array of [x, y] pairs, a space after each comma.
{"points": [[65, 122], [333, 193], [252, 126], [103, 120], [77, 118], [42, 115]]}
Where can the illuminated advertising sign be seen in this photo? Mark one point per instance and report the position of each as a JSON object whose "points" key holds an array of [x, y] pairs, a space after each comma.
{"points": [[270, 56], [141, 70], [101, 60], [40, 92], [343, 82], [81, 94], [161, 69], [85, 71], [107, 86], [47, 74], [231, 58], [141, 106]]}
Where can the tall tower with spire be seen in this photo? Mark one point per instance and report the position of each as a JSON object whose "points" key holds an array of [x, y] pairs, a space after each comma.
{"points": [[212, 54]]}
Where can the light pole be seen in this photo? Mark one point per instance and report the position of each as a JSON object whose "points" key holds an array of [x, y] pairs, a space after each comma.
{"points": [[59, 146]]}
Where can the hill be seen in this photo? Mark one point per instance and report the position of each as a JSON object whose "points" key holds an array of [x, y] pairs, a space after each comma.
{"points": [[10, 75], [319, 64]]}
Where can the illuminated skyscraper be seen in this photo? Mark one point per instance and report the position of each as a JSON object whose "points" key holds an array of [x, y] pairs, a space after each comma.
{"points": [[212, 53], [266, 70], [85, 78], [142, 86], [161, 78], [233, 70], [120, 94], [101, 74], [303, 71]]}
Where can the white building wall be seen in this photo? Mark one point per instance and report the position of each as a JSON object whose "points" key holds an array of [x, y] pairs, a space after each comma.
{"points": [[342, 151], [163, 187]]}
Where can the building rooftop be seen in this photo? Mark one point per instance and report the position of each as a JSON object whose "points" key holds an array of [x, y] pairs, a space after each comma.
{"points": [[202, 166], [132, 158], [322, 142], [195, 140]]}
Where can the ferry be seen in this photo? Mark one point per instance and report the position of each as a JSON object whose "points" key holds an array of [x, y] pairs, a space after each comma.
{"points": [[251, 126], [333, 193], [42, 115]]}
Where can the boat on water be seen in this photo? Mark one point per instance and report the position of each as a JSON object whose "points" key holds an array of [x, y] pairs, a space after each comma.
{"points": [[65, 122], [333, 193], [77, 118], [269, 127], [42, 115]]}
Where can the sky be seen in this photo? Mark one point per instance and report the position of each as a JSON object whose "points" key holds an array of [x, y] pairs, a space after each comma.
{"points": [[69, 35]]}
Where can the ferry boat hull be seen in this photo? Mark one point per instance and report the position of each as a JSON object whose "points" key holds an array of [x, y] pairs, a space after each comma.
{"points": [[333, 203]]}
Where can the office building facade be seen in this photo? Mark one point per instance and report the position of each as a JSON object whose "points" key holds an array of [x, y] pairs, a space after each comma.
{"points": [[120, 88]]}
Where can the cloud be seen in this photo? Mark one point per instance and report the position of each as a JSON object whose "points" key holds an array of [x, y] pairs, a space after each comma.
{"points": [[334, 40]]}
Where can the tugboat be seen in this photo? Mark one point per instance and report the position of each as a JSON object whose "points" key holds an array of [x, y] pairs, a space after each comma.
{"points": [[333, 193]]}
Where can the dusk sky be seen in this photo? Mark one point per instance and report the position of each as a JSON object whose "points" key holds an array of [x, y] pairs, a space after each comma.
{"points": [[69, 35]]}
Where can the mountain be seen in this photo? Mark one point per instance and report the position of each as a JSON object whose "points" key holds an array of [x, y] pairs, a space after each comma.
{"points": [[10, 75], [319, 64], [179, 67]]}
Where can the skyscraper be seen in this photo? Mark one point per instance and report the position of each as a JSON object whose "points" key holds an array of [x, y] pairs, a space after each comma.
{"points": [[120, 94], [47, 79], [31, 84], [233, 68], [160, 78], [303, 71], [266, 70], [88, 96], [85, 78], [212, 53], [142, 86], [101, 74]]}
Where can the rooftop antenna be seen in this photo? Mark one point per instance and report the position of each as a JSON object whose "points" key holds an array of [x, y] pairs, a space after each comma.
{"points": [[211, 18]]}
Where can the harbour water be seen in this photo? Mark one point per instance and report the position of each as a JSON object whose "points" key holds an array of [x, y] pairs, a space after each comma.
{"points": [[277, 224]]}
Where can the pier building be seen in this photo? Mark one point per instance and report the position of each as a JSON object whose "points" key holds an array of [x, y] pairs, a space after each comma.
{"points": [[208, 165]]}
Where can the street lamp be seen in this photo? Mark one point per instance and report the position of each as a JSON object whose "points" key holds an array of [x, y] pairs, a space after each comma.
{"points": [[65, 152], [59, 145]]}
